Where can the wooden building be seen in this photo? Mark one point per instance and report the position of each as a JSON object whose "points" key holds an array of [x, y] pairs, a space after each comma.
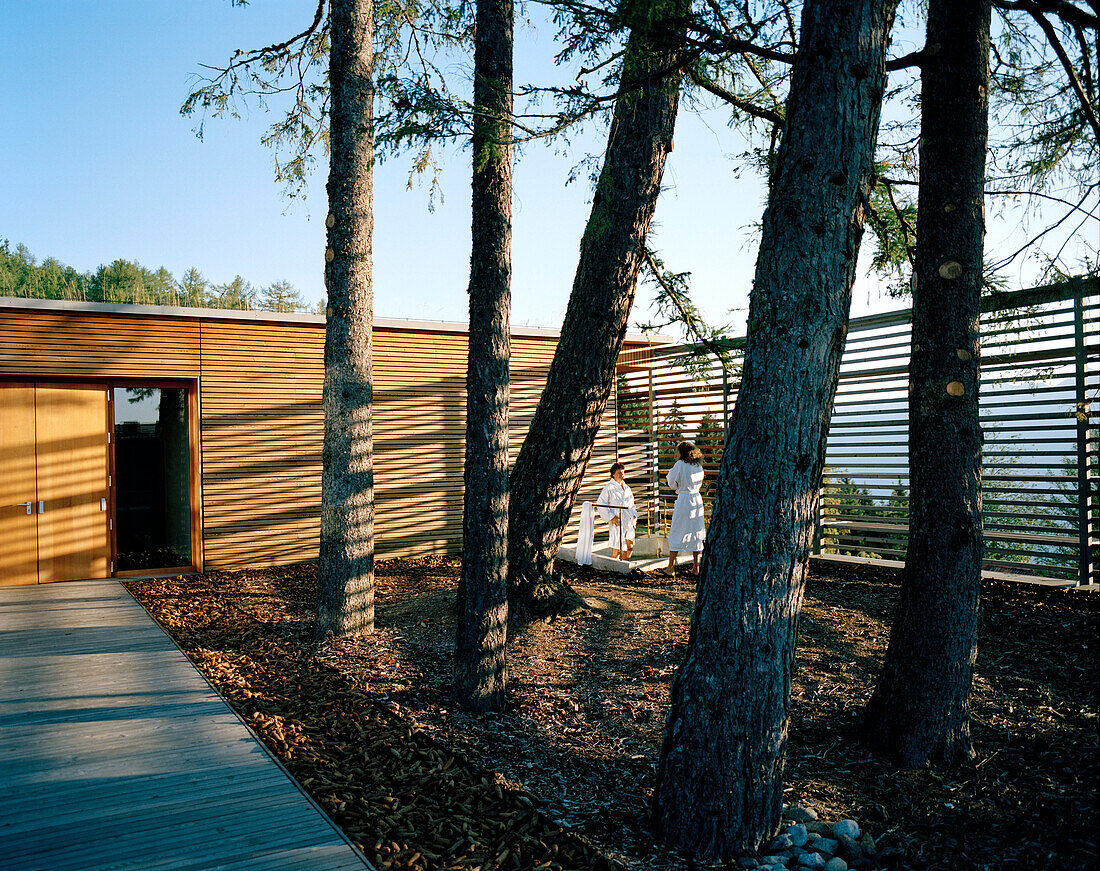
{"points": [[140, 439]]}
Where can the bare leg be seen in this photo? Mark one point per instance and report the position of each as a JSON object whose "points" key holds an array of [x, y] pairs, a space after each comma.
{"points": [[672, 560], [629, 549], [695, 562]]}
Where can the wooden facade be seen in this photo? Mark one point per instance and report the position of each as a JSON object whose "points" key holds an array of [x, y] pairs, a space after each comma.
{"points": [[253, 382]]}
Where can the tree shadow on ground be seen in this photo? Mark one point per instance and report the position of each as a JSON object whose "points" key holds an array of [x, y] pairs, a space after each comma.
{"points": [[589, 700]]}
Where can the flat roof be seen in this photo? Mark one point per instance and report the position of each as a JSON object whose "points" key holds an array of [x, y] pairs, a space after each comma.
{"points": [[221, 314]]}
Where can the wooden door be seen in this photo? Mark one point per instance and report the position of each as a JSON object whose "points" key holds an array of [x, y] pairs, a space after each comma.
{"points": [[18, 517], [72, 467]]}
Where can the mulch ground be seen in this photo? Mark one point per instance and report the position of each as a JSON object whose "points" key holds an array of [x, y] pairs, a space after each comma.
{"points": [[562, 781]]}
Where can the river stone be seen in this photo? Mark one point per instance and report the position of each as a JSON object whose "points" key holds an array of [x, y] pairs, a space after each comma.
{"points": [[849, 848], [867, 844], [773, 860], [846, 827], [782, 842], [819, 828], [799, 814], [798, 835], [836, 864], [811, 860], [747, 862], [825, 845]]}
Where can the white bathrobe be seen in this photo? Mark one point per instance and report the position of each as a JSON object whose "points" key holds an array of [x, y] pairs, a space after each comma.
{"points": [[621, 500], [585, 535], [688, 530]]}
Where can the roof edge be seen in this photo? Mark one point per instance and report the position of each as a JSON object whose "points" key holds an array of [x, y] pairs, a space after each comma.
{"points": [[300, 318]]}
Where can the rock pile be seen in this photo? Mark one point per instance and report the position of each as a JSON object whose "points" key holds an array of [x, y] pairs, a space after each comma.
{"points": [[805, 843]]}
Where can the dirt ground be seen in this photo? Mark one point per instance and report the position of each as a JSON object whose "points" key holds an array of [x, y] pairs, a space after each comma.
{"points": [[588, 700]]}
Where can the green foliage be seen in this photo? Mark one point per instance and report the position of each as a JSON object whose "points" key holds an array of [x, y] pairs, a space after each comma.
{"points": [[893, 221], [282, 296], [21, 276], [669, 433], [1020, 508], [708, 344], [633, 408], [711, 440], [297, 67], [1044, 145], [194, 290], [236, 294], [841, 498], [415, 106], [421, 103], [124, 281]]}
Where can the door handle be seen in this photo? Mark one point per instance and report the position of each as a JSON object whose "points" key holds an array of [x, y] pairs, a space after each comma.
{"points": [[28, 504]]}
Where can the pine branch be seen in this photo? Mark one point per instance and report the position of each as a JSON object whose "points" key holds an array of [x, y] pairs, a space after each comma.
{"points": [[1004, 262], [913, 59], [243, 59], [1036, 12], [1066, 11], [687, 314], [746, 106]]}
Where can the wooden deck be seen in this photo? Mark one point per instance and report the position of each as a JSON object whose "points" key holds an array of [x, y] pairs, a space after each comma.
{"points": [[116, 753]]}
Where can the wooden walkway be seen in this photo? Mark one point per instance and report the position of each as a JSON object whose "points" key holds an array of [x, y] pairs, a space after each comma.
{"points": [[116, 753]]}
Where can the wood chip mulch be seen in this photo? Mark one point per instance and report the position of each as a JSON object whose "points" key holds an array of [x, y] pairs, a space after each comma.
{"points": [[563, 780], [406, 801]]}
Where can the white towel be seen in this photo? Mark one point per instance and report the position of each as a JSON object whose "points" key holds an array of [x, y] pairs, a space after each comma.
{"points": [[587, 535]]}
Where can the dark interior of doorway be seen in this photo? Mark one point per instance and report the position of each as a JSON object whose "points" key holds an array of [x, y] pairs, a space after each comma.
{"points": [[152, 478]]}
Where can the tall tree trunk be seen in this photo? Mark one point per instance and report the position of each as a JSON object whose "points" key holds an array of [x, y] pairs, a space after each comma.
{"points": [[919, 712], [480, 665], [720, 779], [559, 442], [345, 595]]}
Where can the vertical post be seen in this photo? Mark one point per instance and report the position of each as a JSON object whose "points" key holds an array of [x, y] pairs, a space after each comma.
{"points": [[1082, 412], [817, 545], [655, 475], [725, 398], [615, 405]]}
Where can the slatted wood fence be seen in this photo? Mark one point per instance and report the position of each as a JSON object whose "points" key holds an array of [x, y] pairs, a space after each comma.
{"points": [[1040, 409]]}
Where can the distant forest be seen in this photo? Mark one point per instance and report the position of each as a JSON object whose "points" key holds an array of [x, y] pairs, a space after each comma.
{"points": [[124, 281]]}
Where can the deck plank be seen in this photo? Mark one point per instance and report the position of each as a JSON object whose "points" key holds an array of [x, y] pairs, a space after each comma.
{"points": [[115, 753]]}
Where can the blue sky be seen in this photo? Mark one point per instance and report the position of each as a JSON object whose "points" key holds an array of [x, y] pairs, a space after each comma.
{"points": [[99, 164]]}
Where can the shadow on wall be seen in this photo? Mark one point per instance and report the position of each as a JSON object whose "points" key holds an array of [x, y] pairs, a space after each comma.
{"points": [[261, 470]]}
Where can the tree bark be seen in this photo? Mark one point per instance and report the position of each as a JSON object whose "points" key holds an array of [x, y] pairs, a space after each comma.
{"points": [[555, 452], [720, 778], [345, 595], [480, 665], [919, 711]]}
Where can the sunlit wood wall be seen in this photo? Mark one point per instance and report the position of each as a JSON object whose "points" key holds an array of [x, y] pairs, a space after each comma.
{"points": [[260, 384]]}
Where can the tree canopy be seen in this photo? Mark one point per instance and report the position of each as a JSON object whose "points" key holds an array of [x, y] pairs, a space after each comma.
{"points": [[126, 281], [122, 280]]}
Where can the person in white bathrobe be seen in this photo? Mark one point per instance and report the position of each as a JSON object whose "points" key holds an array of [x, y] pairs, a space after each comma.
{"points": [[688, 530], [616, 506]]}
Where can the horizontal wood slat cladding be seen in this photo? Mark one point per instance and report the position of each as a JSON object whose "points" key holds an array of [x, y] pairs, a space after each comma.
{"points": [[80, 345], [262, 429], [262, 420], [262, 424]]}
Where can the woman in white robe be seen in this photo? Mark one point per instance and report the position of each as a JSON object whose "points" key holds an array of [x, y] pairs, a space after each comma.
{"points": [[616, 506], [688, 530]]}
